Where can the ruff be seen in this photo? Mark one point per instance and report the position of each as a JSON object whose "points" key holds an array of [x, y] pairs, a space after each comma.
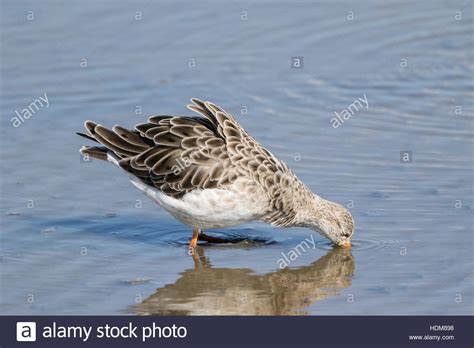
{"points": [[206, 171]]}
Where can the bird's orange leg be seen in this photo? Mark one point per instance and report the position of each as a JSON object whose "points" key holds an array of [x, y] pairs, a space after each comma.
{"points": [[193, 242], [192, 250]]}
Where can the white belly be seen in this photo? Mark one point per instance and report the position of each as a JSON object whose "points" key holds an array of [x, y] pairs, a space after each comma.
{"points": [[209, 208]]}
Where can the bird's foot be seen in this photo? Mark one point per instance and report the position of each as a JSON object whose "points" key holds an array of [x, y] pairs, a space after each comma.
{"points": [[211, 239]]}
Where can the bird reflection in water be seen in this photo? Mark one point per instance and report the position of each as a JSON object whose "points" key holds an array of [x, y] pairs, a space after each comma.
{"points": [[225, 291]]}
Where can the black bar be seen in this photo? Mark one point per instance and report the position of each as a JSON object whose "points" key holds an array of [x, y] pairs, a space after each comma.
{"points": [[326, 331]]}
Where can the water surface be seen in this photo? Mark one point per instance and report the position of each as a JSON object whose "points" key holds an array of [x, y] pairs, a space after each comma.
{"points": [[78, 238]]}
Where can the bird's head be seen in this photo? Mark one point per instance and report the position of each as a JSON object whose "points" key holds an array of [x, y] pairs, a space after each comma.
{"points": [[331, 220]]}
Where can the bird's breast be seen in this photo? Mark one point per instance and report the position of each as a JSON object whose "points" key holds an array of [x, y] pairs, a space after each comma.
{"points": [[211, 208]]}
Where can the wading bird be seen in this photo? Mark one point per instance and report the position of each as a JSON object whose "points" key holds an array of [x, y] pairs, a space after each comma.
{"points": [[208, 172]]}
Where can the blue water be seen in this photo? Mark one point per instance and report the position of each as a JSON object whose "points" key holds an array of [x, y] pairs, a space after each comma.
{"points": [[77, 238]]}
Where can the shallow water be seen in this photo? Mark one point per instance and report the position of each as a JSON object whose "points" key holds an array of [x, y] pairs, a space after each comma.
{"points": [[77, 238]]}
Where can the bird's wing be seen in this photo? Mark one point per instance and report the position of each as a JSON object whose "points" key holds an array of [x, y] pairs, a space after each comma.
{"points": [[174, 154], [246, 156], [249, 159], [187, 154], [180, 154]]}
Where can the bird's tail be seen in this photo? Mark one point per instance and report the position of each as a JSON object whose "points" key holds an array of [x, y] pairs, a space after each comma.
{"points": [[119, 142], [99, 152]]}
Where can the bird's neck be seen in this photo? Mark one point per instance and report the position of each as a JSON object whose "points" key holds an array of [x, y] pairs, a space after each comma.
{"points": [[292, 204], [307, 205]]}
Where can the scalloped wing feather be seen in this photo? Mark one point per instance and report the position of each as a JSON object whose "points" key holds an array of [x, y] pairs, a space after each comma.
{"points": [[177, 155]]}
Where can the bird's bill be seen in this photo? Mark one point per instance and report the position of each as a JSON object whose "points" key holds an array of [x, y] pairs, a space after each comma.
{"points": [[346, 244]]}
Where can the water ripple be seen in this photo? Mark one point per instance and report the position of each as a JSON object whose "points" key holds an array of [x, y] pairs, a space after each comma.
{"points": [[359, 244]]}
